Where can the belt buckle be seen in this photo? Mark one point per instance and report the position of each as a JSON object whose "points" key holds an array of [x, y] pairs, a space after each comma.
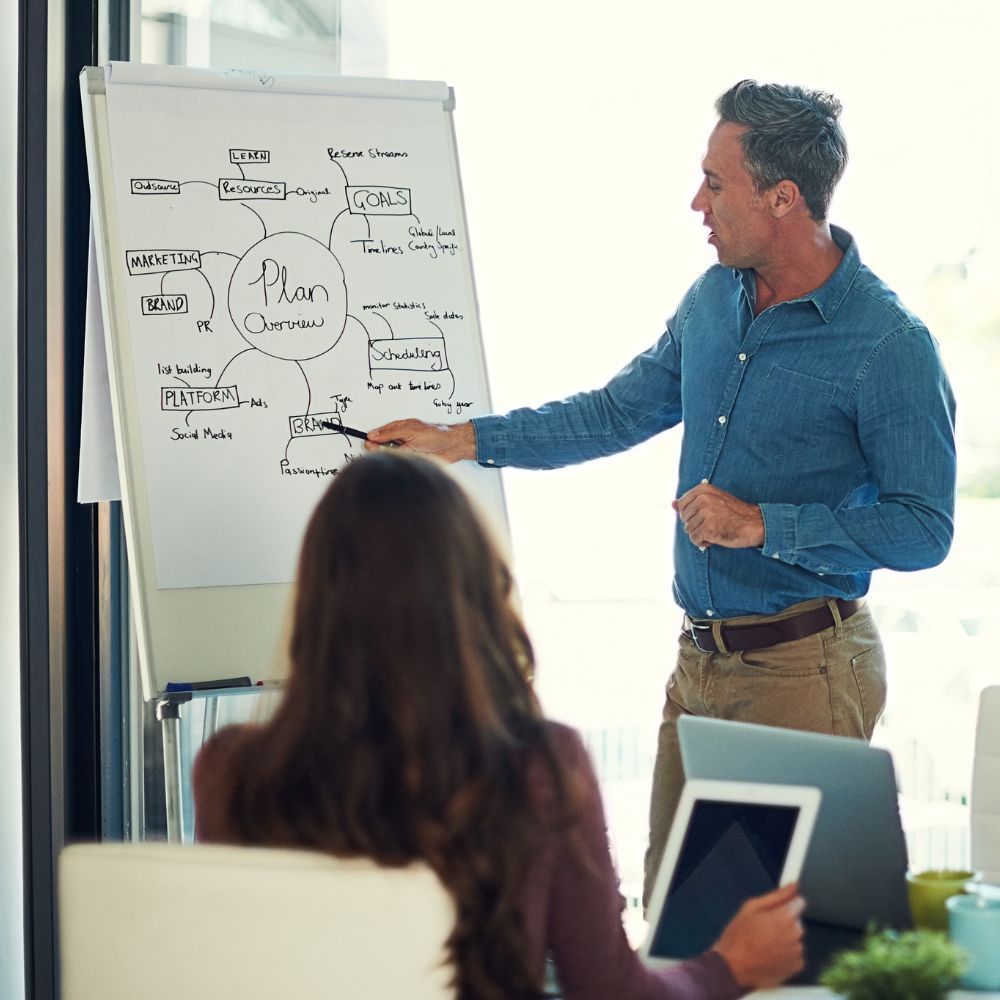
{"points": [[703, 627]]}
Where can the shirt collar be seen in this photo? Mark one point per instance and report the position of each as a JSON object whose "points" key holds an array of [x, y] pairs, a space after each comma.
{"points": [[830, 294]]}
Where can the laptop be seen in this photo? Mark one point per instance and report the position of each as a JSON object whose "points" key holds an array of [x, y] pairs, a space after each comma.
{"points": [[730, 840], [855, 871]]}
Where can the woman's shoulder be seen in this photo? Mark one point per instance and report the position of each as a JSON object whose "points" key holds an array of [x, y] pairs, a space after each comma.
{"points": [[566, 742], [216, 773], [574, 772], [223, 751]]}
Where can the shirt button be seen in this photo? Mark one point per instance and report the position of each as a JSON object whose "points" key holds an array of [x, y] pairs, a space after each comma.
{"points": [[709, 612], [722, 419], [775, 555], [742, 357], [490, 461]]}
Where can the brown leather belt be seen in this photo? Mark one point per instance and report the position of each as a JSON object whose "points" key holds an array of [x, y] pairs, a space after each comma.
{"points": [[738, 638]]}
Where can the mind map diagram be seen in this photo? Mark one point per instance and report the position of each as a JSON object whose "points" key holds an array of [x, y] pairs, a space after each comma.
{"points": [[309, 308]]}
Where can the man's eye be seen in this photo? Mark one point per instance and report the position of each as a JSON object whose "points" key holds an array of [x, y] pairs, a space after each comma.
{"points": [[714, 187]]}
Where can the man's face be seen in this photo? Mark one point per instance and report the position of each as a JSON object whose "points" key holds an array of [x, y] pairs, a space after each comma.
{"points": [[741, 227]]}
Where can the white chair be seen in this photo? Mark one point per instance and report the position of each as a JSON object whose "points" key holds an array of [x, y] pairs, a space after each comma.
{"points": [[985, 801], [162, 921]]}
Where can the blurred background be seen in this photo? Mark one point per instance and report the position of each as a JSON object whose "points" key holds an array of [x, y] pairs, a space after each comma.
{"points": [[581, 126]]}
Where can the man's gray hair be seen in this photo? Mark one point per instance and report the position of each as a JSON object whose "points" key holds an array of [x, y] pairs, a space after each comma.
{"points": [[792, 134]]}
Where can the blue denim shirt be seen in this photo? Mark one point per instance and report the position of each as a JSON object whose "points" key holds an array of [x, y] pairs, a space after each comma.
{"points": [[831, 411]]}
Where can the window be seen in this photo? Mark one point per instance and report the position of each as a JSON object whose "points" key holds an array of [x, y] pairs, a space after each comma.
{"points": [[581, 126], [300, 36], [296, 36], [11, 833]]}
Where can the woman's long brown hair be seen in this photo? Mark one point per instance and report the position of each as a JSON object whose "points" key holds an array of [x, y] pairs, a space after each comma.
{"points": [[409, 717]]}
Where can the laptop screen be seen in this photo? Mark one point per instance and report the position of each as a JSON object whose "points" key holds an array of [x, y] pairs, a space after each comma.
{"points": [[848, 879], [730, 852]]}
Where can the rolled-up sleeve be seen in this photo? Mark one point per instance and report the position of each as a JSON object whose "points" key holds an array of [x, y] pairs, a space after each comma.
{"points": [[905, 416], [643, 399]]}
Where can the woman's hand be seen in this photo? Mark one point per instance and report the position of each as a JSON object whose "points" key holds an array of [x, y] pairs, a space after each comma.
{"points": [[762, 944]]}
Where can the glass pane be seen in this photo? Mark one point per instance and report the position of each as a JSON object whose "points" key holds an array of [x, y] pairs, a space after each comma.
{"points": [[581, 127], [12, 832], [293, 36]]}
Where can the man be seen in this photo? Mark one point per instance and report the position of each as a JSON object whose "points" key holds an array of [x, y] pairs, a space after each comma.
{"points": [[818, 440]]}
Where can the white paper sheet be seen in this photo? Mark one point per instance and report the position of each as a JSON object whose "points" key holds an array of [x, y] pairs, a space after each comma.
{"points": [[290, 260], [98, 478]]}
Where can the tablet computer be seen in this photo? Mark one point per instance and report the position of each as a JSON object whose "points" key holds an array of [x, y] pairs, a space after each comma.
{"points": [[730, 840]]}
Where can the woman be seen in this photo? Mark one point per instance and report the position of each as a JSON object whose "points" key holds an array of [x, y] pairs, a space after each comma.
{"points": [[409, 730]]}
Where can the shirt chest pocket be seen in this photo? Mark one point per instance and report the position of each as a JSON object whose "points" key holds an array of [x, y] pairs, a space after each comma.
{"points": [[790, 411]]}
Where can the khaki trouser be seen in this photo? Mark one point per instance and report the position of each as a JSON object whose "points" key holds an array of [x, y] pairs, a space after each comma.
{"points": [[830, 682]]}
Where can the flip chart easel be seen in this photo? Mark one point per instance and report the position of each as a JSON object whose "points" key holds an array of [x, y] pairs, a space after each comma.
{"points": [[278, 256]]}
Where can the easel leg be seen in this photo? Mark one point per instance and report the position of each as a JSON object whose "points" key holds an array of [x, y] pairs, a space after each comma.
{"points": [[168, 711]]}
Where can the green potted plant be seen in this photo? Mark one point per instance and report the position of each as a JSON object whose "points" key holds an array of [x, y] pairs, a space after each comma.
{"points": [[912, 965]]}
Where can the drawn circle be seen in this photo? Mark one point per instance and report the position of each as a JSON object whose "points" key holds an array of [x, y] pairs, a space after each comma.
{"points": [[288, 297]]}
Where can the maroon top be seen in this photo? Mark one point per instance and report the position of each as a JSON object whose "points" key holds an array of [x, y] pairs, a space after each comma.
{"points": [[570, 901]]}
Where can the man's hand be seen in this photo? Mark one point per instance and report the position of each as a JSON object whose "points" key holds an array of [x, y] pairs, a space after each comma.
{"points": [[713, 517], [451, 442], [762, 944]]}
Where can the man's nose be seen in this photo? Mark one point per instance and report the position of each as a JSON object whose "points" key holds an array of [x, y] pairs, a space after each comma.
{"points": [[698, 201]]}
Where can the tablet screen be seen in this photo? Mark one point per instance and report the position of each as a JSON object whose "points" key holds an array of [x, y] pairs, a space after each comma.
{"points": [[730, 852]]}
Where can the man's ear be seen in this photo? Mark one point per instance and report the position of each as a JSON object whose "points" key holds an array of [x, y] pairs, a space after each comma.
{"points": [[782, 198]]}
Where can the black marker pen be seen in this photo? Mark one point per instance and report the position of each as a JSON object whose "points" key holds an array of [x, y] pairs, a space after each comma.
{"points": [[354, 432]]}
